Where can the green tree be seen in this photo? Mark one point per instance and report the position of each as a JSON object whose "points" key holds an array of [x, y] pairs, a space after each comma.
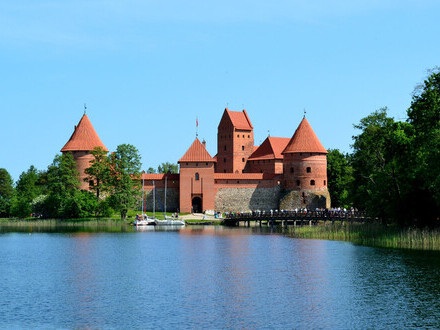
{"points": [[340, 177], [28, 187], [380, 159], [99, 171], [63, 185], [125, 165], [6, 192], [424, 116], [151, 170], [168, 167]]}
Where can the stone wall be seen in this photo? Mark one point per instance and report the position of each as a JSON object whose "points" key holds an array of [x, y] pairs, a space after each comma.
{"points": [[293, 199], [172, 199], [246, 199]]}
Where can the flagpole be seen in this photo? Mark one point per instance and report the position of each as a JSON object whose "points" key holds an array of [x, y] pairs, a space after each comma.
{"points": [[197, 127]]}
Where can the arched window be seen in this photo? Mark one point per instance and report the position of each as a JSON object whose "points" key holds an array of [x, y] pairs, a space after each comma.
{"points": [[325, 182], [197, 177], [309, 169], [298, 183], [242, 160], [312, 182], [242, 148], [225, 148]]}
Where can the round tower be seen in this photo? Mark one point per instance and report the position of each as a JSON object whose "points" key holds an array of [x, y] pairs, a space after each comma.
{"points": [[83, 140], [305, 171]]}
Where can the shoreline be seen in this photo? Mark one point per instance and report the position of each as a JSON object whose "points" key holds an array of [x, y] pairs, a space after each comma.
{"points": [[372, 235]]}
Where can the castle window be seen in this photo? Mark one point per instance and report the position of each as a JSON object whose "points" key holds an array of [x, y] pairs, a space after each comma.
{"points": [[312, 182], [309, 169], [197, 177], [238, 135], [310, 154], [206, 164], [243, 136], [197, 164], [242, 160], [242, 148], [225, 148], [224, 171], [224, 160], [298, 183], [291, 170], [324, 182], [249, 136]]}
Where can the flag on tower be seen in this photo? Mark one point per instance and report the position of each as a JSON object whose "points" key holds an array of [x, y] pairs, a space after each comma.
{"points": [[197, 121]]}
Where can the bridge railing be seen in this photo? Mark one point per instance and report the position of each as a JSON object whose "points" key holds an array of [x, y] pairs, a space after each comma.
{"points": [[298, 215]]}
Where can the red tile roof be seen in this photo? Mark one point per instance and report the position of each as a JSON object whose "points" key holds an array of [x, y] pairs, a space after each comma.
{"points": [[197, 153], [239, 119], [271, 148], [84, 137], [304, 140], [244, 176]]}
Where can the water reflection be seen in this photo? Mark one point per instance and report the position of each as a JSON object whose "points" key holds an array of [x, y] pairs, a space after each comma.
{"points": [[211, 277]]}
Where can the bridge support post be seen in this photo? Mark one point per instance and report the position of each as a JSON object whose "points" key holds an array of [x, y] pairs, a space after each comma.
{"points": [[310, 223]]}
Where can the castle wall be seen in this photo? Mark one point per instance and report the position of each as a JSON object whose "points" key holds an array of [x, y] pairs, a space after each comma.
{"points": [[172, 199], [241, 199], [172, 184], [266, 166], [310, 199]]}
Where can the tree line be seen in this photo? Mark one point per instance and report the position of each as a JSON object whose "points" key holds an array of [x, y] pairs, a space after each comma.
{"points": [[114, 181], [393, 171]]}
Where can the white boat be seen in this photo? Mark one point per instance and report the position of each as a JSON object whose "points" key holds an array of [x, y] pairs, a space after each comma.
{"points": [[144, 222], [170, 222]]}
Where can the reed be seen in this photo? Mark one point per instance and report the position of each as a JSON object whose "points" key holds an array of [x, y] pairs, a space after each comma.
{"points": [[372, 235]]}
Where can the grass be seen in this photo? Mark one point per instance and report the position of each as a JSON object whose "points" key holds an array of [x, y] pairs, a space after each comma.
{"points": [[372, 235]]}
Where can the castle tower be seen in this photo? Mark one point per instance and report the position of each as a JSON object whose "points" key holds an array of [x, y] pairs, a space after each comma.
{"points": [[196, 179], [305, 170], [235, 142], [83, 140]]}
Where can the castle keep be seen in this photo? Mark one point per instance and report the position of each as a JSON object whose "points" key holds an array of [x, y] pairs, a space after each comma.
{"points": [[281, 173]]}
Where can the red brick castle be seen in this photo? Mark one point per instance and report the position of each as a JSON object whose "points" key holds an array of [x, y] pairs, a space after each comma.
{"points": [[281, 173]]}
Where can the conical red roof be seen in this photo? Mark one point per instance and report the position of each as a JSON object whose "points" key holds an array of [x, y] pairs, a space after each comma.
{"points": [[84, 137], [196, 153], [304, 140]]}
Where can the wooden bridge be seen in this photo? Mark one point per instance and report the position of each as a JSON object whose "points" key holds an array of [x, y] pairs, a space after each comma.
{"points": [[298, 218]]}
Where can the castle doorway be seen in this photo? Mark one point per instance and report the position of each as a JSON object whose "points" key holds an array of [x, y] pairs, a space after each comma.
{"points": [[197, 205]]}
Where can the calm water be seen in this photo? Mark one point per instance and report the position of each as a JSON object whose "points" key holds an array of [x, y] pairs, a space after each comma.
{"points": [[210, 278]]}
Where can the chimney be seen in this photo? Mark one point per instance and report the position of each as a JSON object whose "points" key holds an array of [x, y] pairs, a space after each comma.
{"points": [[204, 143]]}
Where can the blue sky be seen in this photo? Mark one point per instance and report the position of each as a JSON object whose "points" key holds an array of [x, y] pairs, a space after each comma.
{"points": [[147, 69]]}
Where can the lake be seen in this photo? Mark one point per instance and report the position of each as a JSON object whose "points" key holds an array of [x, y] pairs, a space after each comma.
{"points": [[209, 277]]}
